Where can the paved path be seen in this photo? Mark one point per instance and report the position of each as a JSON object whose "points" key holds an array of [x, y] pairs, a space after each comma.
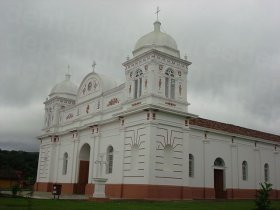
{"points": [[47, 195]]}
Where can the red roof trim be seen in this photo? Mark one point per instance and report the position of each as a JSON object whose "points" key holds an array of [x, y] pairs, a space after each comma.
{"points": [[234, 129]]}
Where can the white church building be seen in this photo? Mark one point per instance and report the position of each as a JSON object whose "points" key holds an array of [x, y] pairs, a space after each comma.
{"points": [[140, 136]]}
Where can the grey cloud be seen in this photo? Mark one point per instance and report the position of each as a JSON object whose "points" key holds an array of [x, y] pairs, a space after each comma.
{"points": [[232, 44]]}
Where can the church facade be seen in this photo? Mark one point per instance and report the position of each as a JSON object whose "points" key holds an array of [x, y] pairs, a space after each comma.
{"points": [[140, 136]]}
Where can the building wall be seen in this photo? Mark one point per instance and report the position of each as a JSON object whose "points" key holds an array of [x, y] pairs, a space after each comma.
{"points": [[151, 140], [206, 150], [148, 167]]}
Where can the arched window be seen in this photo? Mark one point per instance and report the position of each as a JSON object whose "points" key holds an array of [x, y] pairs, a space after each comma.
{"points": [[169, 84], [245, 170], [109, 159], [219, 162], [191, 165], [138, 83], [266, 172], [65, 163]]}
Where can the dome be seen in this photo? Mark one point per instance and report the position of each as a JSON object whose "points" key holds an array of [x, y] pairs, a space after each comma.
{"points": [[65, 87], [156, 40]]}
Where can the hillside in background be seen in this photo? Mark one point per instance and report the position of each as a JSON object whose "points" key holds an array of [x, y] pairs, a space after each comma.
{"points": [[26, 162]]}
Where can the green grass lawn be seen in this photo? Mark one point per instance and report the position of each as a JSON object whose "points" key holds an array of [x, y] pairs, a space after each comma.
{"points": [[36, 204]]}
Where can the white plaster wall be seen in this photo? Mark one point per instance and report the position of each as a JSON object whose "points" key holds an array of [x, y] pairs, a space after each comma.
{"points": [[66, 145], [110, 136], [196, 149], [171, 173], [233, 154], [136, 172], [245, 152]]}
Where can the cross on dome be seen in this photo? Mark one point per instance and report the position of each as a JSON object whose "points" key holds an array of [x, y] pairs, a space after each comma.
{"points": [[157, 12], [157, 23], [93, 65], [68, 75]]}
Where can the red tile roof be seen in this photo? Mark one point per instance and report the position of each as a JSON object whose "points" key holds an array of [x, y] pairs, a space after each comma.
{"points": [[233, 129]]}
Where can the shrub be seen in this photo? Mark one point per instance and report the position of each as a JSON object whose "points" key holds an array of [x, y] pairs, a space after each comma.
{"points": [[262, 201], [15, 190]]}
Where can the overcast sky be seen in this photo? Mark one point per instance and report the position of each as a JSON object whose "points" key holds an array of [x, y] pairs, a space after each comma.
{"points": [[234, 48]]}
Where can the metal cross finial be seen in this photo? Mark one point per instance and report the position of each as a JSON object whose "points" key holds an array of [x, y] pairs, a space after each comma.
{"points": [[68, 73], [157, 12], [93, 65]]}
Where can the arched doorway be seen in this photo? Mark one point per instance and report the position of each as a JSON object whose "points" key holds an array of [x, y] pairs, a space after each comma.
{"points": [[83, 169], [219, 178]]}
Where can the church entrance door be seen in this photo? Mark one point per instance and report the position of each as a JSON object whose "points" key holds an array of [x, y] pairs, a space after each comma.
{"points": [[219, 183], [83, 169], [83, 176]]}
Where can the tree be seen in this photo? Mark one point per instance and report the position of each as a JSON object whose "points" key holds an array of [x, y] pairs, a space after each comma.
{"points": [[25, 162]]}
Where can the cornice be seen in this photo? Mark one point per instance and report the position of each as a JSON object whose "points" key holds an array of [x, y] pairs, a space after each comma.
{"points": [[233, 134]]}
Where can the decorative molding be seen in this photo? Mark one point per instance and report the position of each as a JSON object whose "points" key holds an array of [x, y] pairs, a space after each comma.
{"points": [[170, 103], [69, 116], [168, 177], [136, 103], [134, 146], [155, 54], [94, 129], [113, 101]]}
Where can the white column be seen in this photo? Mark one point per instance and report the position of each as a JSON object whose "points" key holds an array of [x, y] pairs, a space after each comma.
{"points": [[151, 148], [75, 169], [258, 168], [39, 164], [53, 161], [96, 151], [276, 164], [186, 151], [122, 137], [234, 166], [57, 170], [91, 159]]}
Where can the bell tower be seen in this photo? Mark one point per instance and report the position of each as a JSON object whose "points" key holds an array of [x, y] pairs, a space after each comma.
{"points": [[62, 95], [156, 74]]}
